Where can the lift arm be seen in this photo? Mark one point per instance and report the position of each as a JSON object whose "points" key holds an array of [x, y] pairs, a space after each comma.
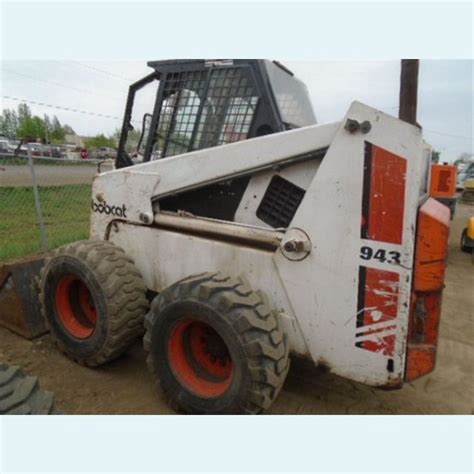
{"points": [[128, 193]]}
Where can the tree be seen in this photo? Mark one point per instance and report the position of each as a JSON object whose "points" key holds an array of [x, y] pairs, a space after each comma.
{"points": [[100, 141], [8, 123], [24, 113], [57, 132], [23, 124], [435, 156], [47, 128], [68, 129], [31, 128]]}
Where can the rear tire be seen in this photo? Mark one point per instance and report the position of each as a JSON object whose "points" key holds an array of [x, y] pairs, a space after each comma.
{"points": [[93, 301], [216, 346], [20, 394]]}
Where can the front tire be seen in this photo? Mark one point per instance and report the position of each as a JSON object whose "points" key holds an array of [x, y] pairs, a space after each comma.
{"points": [[216, 346], [93, 301]]}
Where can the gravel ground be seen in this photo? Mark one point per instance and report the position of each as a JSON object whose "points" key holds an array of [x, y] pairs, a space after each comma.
{"points": [[125, 386]]}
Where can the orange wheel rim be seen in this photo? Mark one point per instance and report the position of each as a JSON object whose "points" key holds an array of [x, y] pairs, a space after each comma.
{"points": [[200, 358], [76, 307]]}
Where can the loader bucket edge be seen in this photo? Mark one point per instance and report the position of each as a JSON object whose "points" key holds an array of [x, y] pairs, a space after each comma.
{"points": [[19, 306]]}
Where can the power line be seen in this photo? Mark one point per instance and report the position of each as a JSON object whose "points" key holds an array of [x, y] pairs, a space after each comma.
{"points": [[448, 134], [85, 112], [102, 71], [435, 131], [54, 83], [43, 104]]}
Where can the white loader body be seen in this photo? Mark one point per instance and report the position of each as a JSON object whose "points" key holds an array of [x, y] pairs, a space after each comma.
{"points": [[340, 275]]}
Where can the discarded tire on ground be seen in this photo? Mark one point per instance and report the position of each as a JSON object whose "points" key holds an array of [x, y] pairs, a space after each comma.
{"points": [[20, 394], [93, 300], [216, 346]]}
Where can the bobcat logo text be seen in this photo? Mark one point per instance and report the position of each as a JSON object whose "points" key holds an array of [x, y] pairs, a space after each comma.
{"points": [[104, 208]]}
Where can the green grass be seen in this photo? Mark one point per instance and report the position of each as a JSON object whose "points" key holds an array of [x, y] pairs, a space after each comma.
{"points": [[66, 211], [13, 160], [23, 161]]}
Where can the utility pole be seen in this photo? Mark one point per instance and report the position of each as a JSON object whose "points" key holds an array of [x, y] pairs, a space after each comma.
{"points": [[408, 90]]}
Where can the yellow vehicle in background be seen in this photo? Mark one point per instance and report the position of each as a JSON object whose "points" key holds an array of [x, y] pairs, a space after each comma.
{"points": [[467, 237], [468, 192]]}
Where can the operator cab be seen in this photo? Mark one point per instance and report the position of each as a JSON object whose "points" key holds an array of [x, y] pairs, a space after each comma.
{"points": [[187, 105]]}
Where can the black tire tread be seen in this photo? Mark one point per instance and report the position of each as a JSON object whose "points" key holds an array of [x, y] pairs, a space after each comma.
{"points": [[464, 248], [258, 326], [20, 394], [124, 292]]}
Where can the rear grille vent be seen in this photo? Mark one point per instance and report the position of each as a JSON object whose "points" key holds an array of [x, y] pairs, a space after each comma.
{"points": [[280, 202]]}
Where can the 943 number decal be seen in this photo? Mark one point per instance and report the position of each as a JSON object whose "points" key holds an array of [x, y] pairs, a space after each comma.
{"points": [[383, 256]]}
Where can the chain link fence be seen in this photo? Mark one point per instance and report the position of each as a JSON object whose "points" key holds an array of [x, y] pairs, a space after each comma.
{"points": [[44, 202]]}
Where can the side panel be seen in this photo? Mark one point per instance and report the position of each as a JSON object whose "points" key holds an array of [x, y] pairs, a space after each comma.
{"points": [[351, 294], [171, 256], [348, 300]]}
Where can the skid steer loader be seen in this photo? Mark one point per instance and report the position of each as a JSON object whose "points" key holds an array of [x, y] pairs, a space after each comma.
{"points": [[320, 242]]}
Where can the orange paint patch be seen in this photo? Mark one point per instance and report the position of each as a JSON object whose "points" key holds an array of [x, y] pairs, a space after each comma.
{"points": [[443, 181], [383, 197], [430, 264], [381, 296], [431, 246], [383, 344], [377, 304], [421, 361]]}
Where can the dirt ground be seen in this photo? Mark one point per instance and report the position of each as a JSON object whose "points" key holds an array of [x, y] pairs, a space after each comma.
{"points": [[126, 387]]}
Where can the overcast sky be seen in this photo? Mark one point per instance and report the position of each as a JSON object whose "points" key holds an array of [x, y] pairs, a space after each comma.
{"points": [[445, 103]]}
